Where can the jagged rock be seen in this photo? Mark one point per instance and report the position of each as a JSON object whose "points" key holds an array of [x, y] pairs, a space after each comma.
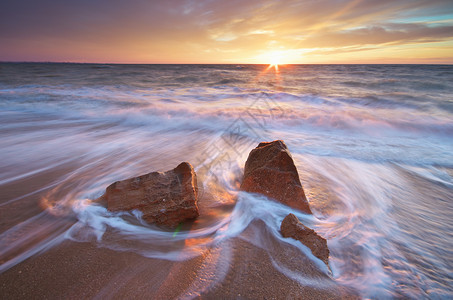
{"points": [[165, 198], [292, 227], [270, 170]]}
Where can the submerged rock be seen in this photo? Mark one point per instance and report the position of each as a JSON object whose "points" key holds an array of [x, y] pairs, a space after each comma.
{"points": [[270, 170], [292, 227], [166, 198]]}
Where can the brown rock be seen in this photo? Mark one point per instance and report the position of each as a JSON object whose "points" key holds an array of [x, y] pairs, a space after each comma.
{"points": [[166, 198], [292, 227], [270, 170]]}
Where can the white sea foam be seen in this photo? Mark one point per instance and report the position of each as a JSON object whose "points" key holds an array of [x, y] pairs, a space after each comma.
{"points": [[373, 148]]}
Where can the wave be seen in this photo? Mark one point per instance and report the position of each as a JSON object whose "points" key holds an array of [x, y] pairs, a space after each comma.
{"points": [[372, 246], [341, 127], [221, 98], [375, 162]]}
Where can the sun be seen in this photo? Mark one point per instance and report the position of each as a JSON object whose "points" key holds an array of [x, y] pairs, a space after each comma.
{"points": [[274, 59], [279, 57]]}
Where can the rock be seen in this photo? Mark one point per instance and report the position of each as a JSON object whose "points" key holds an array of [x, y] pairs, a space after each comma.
{"points": [[165, 198], [270, 170], [292, 227]]}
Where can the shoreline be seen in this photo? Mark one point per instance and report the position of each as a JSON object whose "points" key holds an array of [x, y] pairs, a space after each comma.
{"points": [[74, 270]]}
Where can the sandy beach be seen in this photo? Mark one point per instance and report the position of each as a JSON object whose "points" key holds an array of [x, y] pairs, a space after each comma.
{"points": [[233, 269], [84, 271]]}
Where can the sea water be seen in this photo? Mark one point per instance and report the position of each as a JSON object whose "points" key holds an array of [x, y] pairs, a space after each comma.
{"points": [[373, 145]]}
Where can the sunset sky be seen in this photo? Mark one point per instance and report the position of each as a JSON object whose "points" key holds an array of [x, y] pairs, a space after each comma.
{"points": [[227, 31]]}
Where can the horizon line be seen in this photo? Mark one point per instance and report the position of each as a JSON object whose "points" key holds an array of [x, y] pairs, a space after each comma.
{"points": [[160, 63]]}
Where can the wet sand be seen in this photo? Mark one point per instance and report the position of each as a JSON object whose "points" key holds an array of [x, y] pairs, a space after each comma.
{"points": [[82, 270], [233, 269]]}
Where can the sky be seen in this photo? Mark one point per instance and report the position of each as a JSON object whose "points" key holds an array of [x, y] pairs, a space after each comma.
{"points": [[227, 31]]}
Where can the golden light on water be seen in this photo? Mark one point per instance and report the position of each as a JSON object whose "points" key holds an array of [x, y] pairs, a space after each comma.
{"points": [[275, 66]]}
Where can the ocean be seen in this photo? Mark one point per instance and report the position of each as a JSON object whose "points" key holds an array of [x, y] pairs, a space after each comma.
{"points": [[373, 145]]}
